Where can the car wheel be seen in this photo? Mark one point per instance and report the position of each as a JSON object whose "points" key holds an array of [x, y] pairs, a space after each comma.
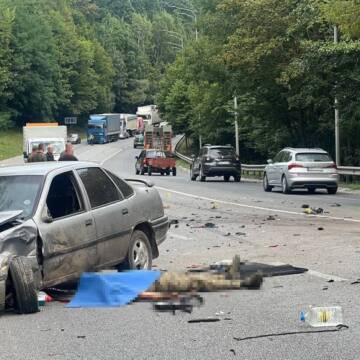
{"points": [[161, 173], [311, 190], [202, 176], [137, 172], [332, 191], [149, 170], [266, 185], [237, 178], [139, 254], [192, 175], [22, 277], [167, 172], [226, 178], [284, 185], [174, 171], [142, 171]]}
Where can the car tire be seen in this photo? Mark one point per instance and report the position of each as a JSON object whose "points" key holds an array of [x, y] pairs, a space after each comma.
{"points": [[137, 172], [174, 171], [332, 191], [161, 173], [142, 171], [284, 185], [192, 175], [167, 172], [266, 185], [202, 176], [226, 178], [237, 178], [149, 170], [139, 254], [25, 293]]}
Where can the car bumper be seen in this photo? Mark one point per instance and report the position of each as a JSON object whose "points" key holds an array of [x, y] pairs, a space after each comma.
{"points": [[160, 227], [221, 170], [318, 181]]}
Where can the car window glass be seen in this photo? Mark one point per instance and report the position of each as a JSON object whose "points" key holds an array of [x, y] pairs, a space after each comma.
{"points": [[124, 187], [278, 157], [313, 157], [19, 193], [221, 152], [99, 187], [64, 197], [286, 157]]}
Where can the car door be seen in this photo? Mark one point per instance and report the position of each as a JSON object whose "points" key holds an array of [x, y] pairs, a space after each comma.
{"points": [[280, 166], [272, 168], [111, 214], [67, 231], [140, 160]]}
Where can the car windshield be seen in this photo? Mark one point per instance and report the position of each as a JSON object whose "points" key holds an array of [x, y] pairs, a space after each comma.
{"points": [[139, 137], [19, 193], [219, 152], [58, 146], [93, 126], [154, 154], [313, 157]]}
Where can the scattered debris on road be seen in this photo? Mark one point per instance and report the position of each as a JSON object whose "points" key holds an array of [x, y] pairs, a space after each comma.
{"points": [[205, 320], [313, 210]]}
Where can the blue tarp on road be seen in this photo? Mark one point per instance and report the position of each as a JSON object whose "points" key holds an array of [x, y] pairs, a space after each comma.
{"points": [[112, 289]]}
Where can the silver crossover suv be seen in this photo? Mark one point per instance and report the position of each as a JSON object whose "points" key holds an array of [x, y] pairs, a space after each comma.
{"points": [[301, 168]]}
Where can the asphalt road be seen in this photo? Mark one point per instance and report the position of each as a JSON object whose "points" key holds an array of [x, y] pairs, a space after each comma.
{"points": [[240, 213]]}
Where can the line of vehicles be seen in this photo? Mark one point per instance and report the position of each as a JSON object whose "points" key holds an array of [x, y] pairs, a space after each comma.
{"points": [[292, 168]]}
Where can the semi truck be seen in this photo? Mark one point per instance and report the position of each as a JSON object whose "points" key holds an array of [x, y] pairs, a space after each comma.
{"points": [[150, 114], [45, 133], [130, 123], [103, 128]]}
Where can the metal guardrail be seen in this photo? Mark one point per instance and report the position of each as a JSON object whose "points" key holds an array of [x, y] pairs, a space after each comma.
{"points": [[259, 169]]}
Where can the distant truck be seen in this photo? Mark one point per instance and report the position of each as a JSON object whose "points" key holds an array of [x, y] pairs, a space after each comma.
{"points": [[158, 137], [130, 122], [45, 133], [150, 114], [103, 128]]}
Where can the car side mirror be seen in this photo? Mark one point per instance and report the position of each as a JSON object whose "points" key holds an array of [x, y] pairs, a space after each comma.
{"points": [[270, 161], [46, 216]]}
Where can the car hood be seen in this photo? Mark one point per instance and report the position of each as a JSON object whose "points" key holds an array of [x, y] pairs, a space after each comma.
{"points": [[7, 216]]}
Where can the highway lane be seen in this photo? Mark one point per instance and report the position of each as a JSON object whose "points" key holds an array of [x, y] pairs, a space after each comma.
{"points": [[240, 214]]}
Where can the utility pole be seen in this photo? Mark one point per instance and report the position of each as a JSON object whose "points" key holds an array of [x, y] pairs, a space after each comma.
{"points": [[337, 117], [236, 126]]}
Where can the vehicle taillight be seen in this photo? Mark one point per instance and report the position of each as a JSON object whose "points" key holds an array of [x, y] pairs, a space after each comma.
{"points": [[332, 166], [294, 165]]}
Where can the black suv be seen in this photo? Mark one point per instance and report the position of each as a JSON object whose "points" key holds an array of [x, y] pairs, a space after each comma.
{"points": [[216, 161]]}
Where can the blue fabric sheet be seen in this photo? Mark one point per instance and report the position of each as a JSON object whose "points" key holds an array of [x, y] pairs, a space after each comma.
{"points": [[112, 289]]}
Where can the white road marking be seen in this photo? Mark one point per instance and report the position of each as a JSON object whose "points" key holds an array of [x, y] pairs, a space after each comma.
{"points": [[180, 237], [257, 207], [110, 157], [326, 276]]}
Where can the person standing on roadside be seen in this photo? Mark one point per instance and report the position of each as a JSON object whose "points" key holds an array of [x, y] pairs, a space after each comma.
{"points": [[33, 152], [50, 153], [39, 155], [68, 154]]}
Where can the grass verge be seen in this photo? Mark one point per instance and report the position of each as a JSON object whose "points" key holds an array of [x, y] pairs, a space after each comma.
{"points": [[353, 186], [11, 143]]}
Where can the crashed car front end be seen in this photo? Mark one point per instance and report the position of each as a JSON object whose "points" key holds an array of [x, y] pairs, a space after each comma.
{"points": [[17, 238]]}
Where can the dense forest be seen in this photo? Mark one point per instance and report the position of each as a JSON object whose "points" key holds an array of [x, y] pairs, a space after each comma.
{"points": [[279, 58], [74, 57]]}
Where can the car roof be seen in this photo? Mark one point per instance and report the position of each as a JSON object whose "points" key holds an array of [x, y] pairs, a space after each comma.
{"points": [[43, 168], [305, 150]]}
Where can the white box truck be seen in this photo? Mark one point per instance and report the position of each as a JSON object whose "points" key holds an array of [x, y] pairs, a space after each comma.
{"points": [[45, 133], [150, 114]]}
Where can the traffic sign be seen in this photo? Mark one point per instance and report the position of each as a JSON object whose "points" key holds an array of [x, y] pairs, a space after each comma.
{"points": [[70, 120]]}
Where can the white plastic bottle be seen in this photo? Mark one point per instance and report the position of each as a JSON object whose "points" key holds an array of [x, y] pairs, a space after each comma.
{"points": [[322, 316]]}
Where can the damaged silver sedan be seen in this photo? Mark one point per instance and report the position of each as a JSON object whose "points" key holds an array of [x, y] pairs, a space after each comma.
{"points": [[58, 220]]}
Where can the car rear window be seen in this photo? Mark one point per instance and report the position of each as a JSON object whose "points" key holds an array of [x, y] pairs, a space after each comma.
{"points": [[313, 157], [217, 152], [154, 154]]}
